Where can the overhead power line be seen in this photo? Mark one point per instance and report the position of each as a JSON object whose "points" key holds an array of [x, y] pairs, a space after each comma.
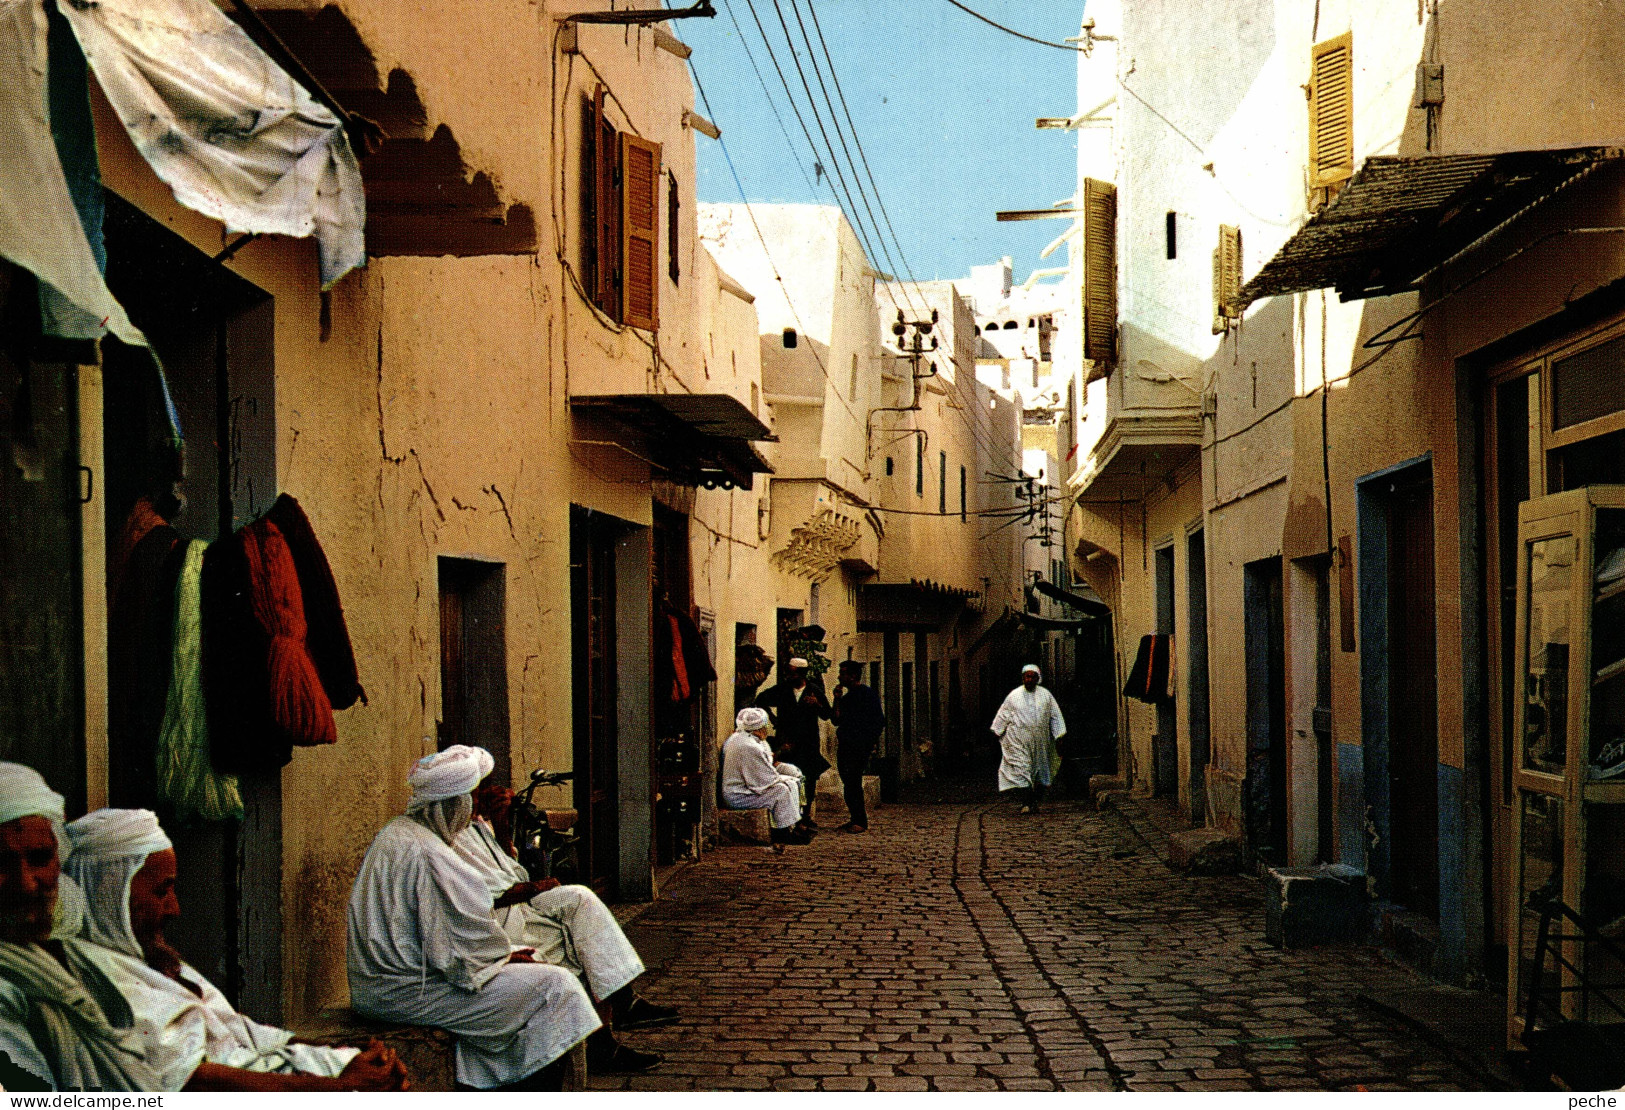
{"points": [[1011, 31]]}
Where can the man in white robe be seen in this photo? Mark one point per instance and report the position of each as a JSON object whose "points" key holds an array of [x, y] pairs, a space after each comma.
{"points": [[194, 1038], [1028, 724], [424, 947], [752, 780], [62, 1022]]}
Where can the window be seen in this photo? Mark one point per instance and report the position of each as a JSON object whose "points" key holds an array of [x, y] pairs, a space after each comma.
{"points": [[1226, 279], [890, 466], [790, 339], [1170, 234], [1009, 325], [674, 265], [852, 380], [919, 466], [620, 191], [942, 482], [962, 495], [1331, 116], [1099, 272]]}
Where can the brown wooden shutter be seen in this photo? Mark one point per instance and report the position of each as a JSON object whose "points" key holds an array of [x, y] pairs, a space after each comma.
{"points": [[674, 207], [607, 205], [1331, 112], [592, 110], [640, 232], [1099, 272]]}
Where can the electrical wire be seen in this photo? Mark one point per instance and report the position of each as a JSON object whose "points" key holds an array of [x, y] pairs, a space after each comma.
{"points": [[1017, 34], [783, 127]]}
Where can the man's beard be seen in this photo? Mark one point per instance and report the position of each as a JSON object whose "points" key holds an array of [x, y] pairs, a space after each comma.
{"points": [[30, 918]]}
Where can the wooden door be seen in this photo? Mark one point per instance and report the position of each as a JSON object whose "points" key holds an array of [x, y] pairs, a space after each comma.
{"points": [[592, 572], [1413, 739]]}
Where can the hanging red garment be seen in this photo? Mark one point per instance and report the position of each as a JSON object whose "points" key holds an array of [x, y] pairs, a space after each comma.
{"points": [[673, 647], [299, 705], [327, 637]]}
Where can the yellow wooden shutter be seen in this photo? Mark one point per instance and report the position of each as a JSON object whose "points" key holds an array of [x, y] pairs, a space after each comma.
{"points": [[640, 232], [1331, 112], [1099, 271], [1226, 278]]}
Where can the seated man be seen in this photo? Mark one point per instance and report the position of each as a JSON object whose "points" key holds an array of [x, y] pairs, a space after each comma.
{"points": [[62, 1021], [194, 1039], [751, 780], [565, 925], [424, 947]]}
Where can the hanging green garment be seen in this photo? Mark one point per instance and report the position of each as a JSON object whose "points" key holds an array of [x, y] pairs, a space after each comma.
{"points": [[187, 779]]}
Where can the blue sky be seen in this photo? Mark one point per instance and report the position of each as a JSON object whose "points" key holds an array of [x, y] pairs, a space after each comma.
{"points": [[943, 104]]}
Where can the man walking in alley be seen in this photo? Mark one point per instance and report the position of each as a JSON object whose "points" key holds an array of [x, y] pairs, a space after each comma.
{"points": [[858, 722], [795, 706], [1028, 724]]}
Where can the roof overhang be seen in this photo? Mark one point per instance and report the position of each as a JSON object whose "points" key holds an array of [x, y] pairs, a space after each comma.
{"points": [[696, 438], [919, 605], [1140, 451], [1401, 218]]}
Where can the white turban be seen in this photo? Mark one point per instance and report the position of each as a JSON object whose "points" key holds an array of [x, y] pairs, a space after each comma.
{"points": [[23, 793], [798, 661], [109, 847], [448, 774], [751, 719], [1033, 667]]}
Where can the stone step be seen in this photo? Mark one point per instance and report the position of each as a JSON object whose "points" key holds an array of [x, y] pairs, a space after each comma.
{"points": [[831, 806], [1306, 906], [428, 1053]]}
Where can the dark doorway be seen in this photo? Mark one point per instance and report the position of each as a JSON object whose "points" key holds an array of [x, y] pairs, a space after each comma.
{"points": [[1165, 745], [1325, 759], [1413, 739], [593, 642], [474, 659], [1196, 656], [41, 613], [1266, 781], [214, 334]]}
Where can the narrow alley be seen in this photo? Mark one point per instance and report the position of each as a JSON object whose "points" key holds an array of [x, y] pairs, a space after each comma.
{"points": [[962, 947]]}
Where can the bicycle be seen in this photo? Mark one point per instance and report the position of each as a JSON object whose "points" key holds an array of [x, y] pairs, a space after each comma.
{"points": [[545, 839]]}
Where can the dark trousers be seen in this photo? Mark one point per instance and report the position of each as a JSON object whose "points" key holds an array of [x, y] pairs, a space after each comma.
{"points": [[851, 761]]}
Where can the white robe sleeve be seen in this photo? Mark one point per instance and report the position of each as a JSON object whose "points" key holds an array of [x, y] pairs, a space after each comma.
{"points": [[461, 940], [1057, 723], [1009, 713], [15, 1039]]}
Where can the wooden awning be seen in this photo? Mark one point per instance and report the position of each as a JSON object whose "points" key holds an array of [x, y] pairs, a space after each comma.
{"points": [[696, 438], [1400, 218]]}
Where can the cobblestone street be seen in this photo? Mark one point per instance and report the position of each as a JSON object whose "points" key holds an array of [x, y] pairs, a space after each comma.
{"points": [[964, 947]]}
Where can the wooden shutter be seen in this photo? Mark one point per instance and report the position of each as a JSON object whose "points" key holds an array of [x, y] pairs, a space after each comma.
{"points": [[1099, 271], [1331, 112], [640, 232], [607, 209], [674, 207], [1226, 279]]}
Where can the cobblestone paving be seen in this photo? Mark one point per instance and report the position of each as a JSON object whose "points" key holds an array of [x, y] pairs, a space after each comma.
{"points": [[963, 947]]}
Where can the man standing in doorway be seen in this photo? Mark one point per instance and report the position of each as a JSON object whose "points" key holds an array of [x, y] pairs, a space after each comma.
{"points": [[858, 722], [1028, 724], [796, 705]]}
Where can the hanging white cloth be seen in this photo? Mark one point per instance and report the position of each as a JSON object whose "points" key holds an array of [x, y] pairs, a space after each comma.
{"points": [[425, 949], [1027, 725], [568, 925], [181, 1030], [223, 125], [39, 227]]}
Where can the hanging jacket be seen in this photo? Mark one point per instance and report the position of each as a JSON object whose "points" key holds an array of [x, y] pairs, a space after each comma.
{"points": [[263, 691], [326, 635], [1151, 677]]}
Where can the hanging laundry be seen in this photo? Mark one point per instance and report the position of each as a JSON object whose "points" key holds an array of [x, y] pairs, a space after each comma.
{"points": [[263, 693], [42, 229], [326, 635], [696, 657], [222, 124], [186, 778], [1151, 677], [671, 669]]}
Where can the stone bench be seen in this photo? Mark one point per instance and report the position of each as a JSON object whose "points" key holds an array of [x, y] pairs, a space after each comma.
{"points": [[1306, 906], [428, 1053], [752, 826]]}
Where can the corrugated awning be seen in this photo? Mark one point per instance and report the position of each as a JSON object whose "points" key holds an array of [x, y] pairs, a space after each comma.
{"points": [[695, 437], [1400, 218]]}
